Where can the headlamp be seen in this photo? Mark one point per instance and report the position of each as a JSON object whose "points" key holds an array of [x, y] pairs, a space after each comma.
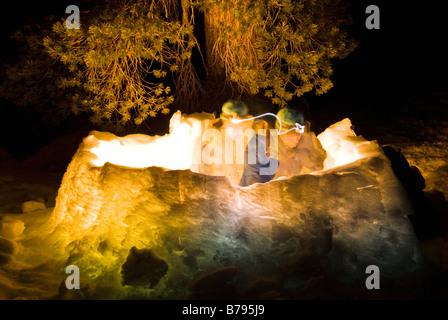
{"points": [[298, 127]]}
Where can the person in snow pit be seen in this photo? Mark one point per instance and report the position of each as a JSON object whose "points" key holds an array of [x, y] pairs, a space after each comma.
{"points": [[295, 153], [231, 109], [259, 166], [216, 161]]}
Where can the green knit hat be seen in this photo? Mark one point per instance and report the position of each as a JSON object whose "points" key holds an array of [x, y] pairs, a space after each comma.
{"points": [[233, 106], [289, 117]]}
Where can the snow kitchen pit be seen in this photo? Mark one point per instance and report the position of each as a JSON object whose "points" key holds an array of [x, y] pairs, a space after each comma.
{"points": [[139, 207]]}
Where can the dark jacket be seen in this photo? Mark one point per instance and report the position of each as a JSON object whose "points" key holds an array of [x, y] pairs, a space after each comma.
{"points": [[258, 167]]}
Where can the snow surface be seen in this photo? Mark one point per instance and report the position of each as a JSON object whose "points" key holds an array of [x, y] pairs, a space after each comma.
{"points": [[339, 220], [419, 127]]}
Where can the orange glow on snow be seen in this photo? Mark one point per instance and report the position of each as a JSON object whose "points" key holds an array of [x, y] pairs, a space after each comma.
{"points": [[173, 151], [181, 148], [343, 146]]}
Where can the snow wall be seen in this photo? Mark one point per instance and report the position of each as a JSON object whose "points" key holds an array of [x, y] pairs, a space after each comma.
{"points": [[138, 221]]}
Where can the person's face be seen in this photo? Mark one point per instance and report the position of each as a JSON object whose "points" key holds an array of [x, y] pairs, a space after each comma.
{"points": [[233, 130], [291, 138]]}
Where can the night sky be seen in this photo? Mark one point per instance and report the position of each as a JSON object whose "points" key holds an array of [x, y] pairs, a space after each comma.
{"points": [[408, 52], [403, 60]]}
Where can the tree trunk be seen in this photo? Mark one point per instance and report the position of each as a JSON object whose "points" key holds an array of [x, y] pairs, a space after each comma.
{"points": [[214, 63]]}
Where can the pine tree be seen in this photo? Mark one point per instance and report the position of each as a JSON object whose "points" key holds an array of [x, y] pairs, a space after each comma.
{"points": [[283, 47], [131, 60]]}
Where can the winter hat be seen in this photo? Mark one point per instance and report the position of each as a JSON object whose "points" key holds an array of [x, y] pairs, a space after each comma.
{"points": [[289, 117], [231, 107]]}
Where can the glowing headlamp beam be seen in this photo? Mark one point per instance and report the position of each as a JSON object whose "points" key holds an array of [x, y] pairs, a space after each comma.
{"points": [[298, 126]]}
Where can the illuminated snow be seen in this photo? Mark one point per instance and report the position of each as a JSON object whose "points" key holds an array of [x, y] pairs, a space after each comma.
{"points": [[343, 145], [172, 151], [147, 192]]}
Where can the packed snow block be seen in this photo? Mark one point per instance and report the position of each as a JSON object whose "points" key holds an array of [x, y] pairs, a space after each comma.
{"points": [[334, 222], [30, 206], [218, 284], [11, 228], [343, 145], [143, 268], [6, 246], [4, 258]]}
